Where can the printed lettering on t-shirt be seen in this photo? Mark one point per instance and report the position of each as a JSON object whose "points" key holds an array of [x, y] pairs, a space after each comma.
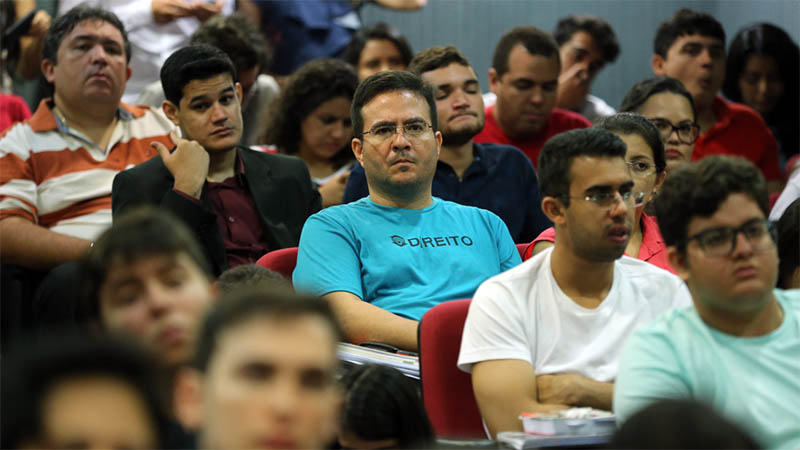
{"points": [[432, 241]]}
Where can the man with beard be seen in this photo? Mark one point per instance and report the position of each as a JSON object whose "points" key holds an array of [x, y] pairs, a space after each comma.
{"points": [[547, 334], [499, 178], [384, 260]]}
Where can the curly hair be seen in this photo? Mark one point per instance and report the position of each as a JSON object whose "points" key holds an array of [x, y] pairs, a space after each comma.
{"points": [[312, 85]]}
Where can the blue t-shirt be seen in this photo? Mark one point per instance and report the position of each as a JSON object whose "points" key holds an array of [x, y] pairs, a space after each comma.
{"points": [[754, 381], [501, 179], [402, 260]]}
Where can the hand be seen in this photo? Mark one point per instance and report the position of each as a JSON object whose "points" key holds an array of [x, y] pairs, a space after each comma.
{"points": [[40, 24], [165, 11], [573, 86], [203, 10], [332, 192], [557, 388], [188, 164]]}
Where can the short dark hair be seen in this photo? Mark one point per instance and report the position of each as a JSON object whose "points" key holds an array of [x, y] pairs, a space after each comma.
{"points": [[235, 35], [382, 403], [639, 93], [555, 159], [251, 275], [789, 243], [600, 31], [140, 233], [194, 62], [698, 189], [436, 58], [674, 423], [29, 371], [631, 123], [312, 85], [683, 22], [65, 23], [535, 41], [381, 30], [771, 41], [244, 305], [388, 81]]}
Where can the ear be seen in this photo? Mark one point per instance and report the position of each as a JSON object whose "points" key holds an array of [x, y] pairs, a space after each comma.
{"points": [[358, 150], [494, 80], [128, 73], [657, 186], [678, 262], [239, 92], [438, 143], [215, 290], [48, 70], [171, 111], [188, 398], [657, 63], [554, 210]]}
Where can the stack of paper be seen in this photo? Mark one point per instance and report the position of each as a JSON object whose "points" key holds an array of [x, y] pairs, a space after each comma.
{"points": [[354, 354]]}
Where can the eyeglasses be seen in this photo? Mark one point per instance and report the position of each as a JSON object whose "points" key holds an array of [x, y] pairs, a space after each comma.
{"points": [[383, 132], [687, 131], [609, 199], [641, 168], [721, 241]]}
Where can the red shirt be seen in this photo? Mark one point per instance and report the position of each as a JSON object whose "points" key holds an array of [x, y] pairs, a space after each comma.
{"points": [[653, 249], [13, 109], [237, 218], [740, 131], [560, 120]]}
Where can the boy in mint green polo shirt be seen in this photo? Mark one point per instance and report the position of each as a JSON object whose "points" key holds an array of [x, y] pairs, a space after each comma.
{"points": [[738, 349]]}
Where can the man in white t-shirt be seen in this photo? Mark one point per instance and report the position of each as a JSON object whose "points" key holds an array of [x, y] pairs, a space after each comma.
{"points": [[547, 334]]}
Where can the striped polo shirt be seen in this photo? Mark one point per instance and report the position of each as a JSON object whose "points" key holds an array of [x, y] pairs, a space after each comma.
{"points": [[58, 178]]}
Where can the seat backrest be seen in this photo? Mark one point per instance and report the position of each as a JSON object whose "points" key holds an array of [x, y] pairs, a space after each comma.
{"points": [[281, 261], [521, 248], [446, 390]]}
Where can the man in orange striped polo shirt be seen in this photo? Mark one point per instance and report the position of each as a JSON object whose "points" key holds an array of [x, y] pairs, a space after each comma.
{"points": [[57, 167]]}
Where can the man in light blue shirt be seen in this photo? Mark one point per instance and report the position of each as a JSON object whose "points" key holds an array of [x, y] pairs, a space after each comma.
{"points": [[739, 349], [386, 259]]}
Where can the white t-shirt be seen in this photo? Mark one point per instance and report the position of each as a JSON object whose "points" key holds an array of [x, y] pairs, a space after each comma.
{"points": [[523, 314]]}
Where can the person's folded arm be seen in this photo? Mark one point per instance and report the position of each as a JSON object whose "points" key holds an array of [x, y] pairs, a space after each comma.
{"points": [[27, 244], [504, 388], [364, 322]]}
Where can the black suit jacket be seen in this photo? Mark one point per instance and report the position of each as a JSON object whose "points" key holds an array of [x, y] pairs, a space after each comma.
{"points": [[280, 186]]}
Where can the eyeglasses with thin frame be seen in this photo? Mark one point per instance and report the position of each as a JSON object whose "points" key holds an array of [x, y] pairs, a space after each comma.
{"points": [[641, 168], [687, 131], [721, 241], [609, 199], [382, 132]]}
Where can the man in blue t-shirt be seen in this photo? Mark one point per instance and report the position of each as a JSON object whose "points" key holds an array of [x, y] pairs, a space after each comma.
{"points": [[384, 260], [496, 177], [738, 349]]}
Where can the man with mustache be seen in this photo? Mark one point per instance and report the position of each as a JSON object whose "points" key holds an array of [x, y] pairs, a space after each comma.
{"points": [[690, 46], [496, 177], [547, 334], [524, 78], [383, 261], [239, 203]]}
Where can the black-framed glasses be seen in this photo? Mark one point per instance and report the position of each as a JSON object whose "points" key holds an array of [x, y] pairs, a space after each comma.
{"points": [[609, 199], [721, 241], [383, 132], [687, 131]]}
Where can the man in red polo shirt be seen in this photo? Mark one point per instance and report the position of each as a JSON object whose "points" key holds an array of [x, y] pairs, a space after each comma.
{"points": [[690, 46], [524, 77]]}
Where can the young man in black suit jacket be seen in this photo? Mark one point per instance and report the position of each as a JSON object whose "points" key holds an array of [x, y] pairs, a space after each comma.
{"points": [[240, 203]]}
